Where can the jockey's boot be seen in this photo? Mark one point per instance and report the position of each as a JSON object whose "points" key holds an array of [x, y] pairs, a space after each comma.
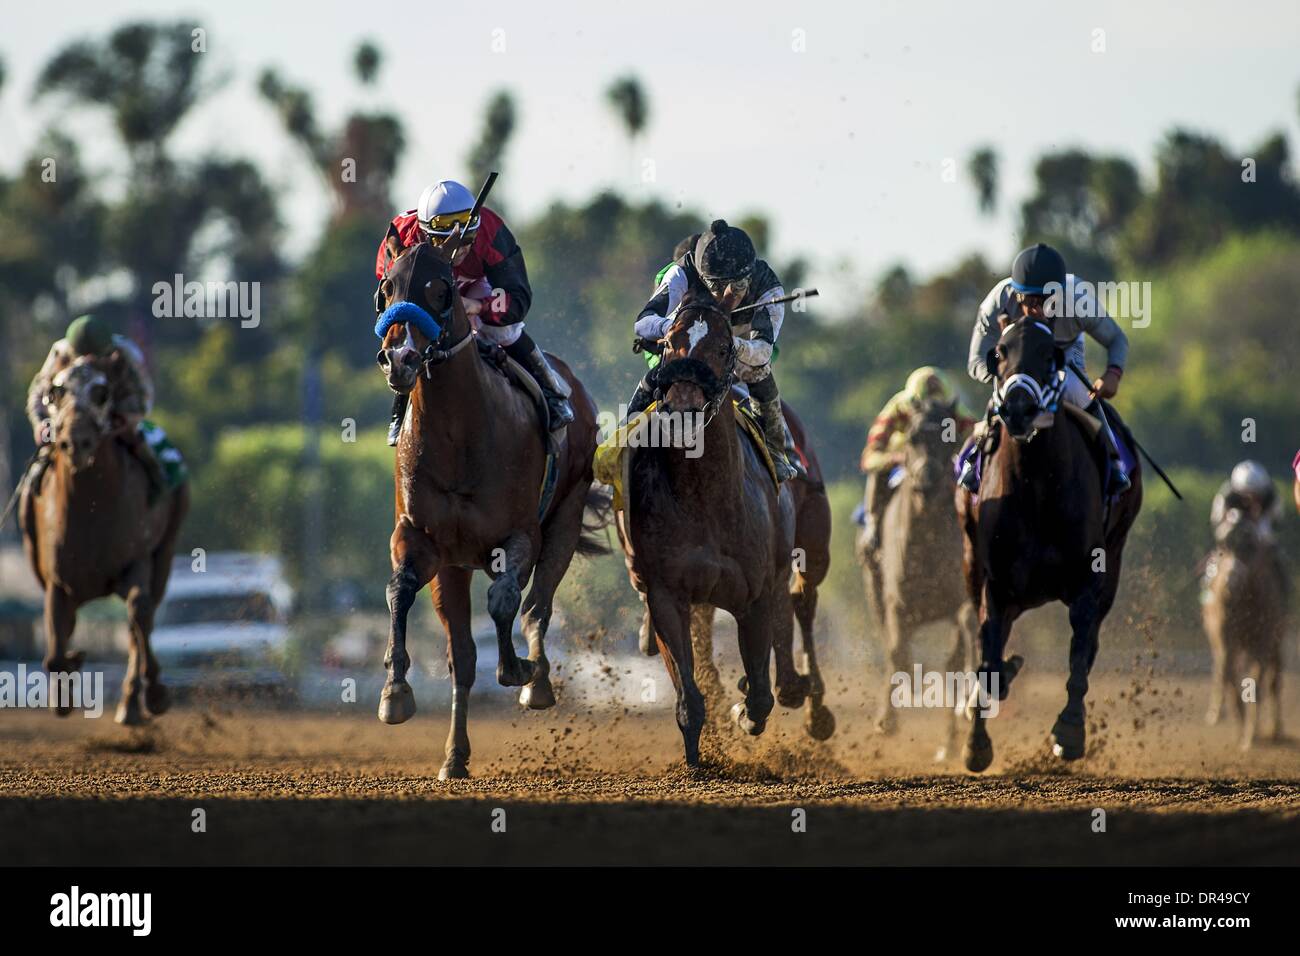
{"points": [[641, 398], [397, 417], [968, 479], [877, 498], [554, 388], [1117, 481], [774, 438], [153, 468]]}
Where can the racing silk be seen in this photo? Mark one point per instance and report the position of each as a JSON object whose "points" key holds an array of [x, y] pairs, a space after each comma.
{"points": [[1086, 316], [494, 259], [755, 331], [888, 433], [131, 393]]}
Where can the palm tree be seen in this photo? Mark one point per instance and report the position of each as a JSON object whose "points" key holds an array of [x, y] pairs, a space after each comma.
{"points": [[983, 169], [627, 98], [498, 126]]}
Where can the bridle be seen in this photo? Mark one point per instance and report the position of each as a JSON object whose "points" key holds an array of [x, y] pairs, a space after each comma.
{"points": [[435, 325], [716, 388], [1046, 396]]}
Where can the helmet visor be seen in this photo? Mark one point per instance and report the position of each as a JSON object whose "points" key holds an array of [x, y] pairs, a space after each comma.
{"points": [[441, 226], [717, 285]]}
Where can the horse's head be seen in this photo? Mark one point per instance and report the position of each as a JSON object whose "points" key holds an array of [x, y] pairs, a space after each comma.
{"points": [[699, 356], [419, 295], [1237, 533], [1030, 371], [80, 412], [929, 453]]}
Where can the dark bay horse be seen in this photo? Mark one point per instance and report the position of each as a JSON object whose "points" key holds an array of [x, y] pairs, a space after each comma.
{"points": [[916, 576], [89, 531], [705, 524], [812, 561], [1041, 529], [1244, 612], [469, 473]]}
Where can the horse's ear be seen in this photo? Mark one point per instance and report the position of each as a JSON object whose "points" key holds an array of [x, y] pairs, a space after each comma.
{"points": [[392, 247]]}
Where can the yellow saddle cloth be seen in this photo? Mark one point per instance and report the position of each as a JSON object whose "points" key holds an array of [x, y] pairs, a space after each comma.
{"points": [[611, 461]]}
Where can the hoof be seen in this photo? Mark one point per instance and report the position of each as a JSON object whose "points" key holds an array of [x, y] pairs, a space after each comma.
{"points": [[1068, 740], [157, 699], [977, 753], [1010, 668], [129, 713], [539, 695], [793, 695], [454, 768], [820, 723], [518, 676], [743, 721], [397, 703]]}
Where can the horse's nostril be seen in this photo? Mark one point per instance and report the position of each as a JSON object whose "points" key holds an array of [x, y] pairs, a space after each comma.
{"points": [[382, 358], [65, 445]]}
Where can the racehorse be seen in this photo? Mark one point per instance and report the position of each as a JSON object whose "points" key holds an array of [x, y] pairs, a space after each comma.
{"points": [[470, 470], [90, 531], [812, 560], [1042, 529], [1244, 613], [705, 523], [916, 575]]}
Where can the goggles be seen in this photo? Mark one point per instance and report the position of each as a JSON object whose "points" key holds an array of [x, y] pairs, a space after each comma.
{"points": [[442, 226]]}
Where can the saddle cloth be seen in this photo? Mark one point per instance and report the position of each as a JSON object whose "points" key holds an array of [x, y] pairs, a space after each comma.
{"points": [[169, 456], [611, 461]]}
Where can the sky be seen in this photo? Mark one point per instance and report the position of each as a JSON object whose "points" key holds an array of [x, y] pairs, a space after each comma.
{"points": [[847, 124]]}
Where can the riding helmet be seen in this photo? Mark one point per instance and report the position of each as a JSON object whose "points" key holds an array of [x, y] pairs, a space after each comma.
{"points": [[443, 206], [1037, 267], [89, 335], [724, 252], [1251, 478]]}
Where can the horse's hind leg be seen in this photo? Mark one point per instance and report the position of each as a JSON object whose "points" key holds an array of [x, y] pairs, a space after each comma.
{"points": [[559, 542], [707, 677], [819, 722], [898, 651], [1273, 678], [60, 620], [513, 557], [672, 621], [414, 563], [1069, 732], [1219, 674], [450, 592]]}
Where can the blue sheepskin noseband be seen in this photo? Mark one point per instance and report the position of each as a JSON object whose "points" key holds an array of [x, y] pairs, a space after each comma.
{"points": [[408, 312]]}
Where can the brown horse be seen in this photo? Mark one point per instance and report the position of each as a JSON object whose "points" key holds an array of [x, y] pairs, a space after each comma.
{"points": [[470, 467], [705, 524], [1041, 529], [916, 576], [1244, 612], [812, 560], [89, 532]]}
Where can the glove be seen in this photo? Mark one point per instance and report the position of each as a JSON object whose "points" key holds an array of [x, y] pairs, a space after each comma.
{"points": [[651, 327]]}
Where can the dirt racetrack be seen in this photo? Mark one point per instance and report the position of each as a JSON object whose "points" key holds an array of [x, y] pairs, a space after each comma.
{"points": [[607, 787]]}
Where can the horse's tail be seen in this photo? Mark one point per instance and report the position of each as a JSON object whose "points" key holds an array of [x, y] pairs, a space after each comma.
{"points": [[598, 516]]}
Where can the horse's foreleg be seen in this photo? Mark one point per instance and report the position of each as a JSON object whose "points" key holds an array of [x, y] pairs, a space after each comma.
{"points": [[791, 686], [671, 615], [707, 676], [509, 565], [414, 563], [1274, 681], [60, 619], [1218, 674], [755, 631], [1069, 731], [141, 678], [898, 651], [994, 678], [450, 592]]}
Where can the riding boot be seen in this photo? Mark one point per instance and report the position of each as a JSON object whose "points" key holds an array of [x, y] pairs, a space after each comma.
{"points": [[877, 497], [774, 438], [968, 479], [641, 398], [553, 387], [1117, 482], [397, 417], [152, 466]]}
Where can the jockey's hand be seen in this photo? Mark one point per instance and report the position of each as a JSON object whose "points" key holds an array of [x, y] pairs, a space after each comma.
{"points": [[1108, 385], [472, 306]]}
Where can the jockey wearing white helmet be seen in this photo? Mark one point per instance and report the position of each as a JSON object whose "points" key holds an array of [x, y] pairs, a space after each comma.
{"points": [[491, 278]]}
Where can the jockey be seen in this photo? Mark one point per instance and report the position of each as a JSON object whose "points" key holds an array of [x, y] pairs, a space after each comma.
{"points": [[131, 393], [1040, 288], [885, 449], [1250, 491], [491, 279], [723, 260]]}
